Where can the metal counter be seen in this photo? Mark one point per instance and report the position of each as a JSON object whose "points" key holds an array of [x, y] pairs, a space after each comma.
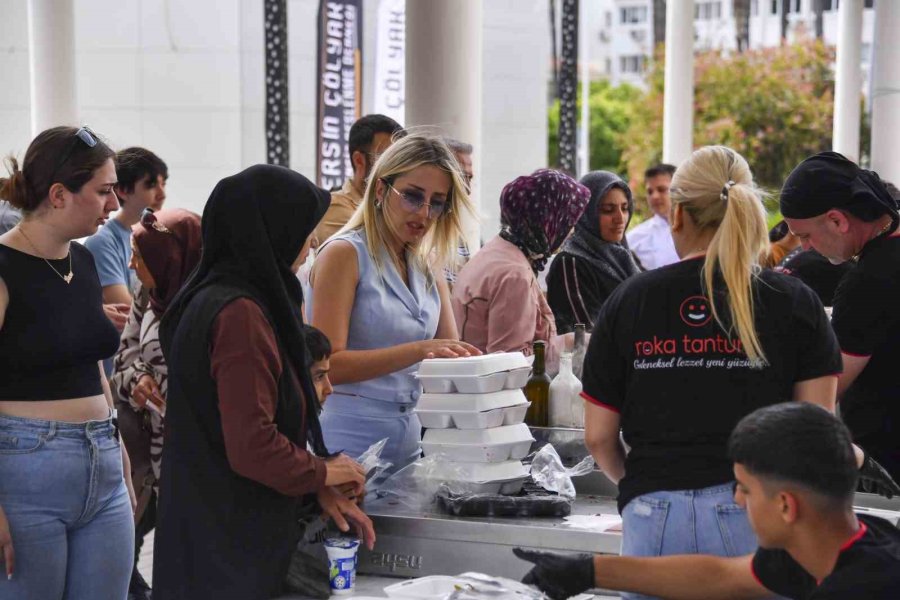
{"points": [[414, 544]]}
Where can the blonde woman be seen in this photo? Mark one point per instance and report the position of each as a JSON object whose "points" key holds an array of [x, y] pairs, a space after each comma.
{"points": [[680, 354], [378, 295]]}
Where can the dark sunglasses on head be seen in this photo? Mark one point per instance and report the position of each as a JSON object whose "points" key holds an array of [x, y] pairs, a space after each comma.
{"points": [[149, 221], [86, 136], [413, 201]]}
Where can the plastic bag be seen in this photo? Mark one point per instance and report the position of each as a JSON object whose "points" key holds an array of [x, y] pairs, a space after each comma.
{"points": [[548, 471], [416, 485], [478, 586], [373, 464]]}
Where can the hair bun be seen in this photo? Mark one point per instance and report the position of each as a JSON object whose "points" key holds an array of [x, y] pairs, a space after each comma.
{"points": [[13, 189]]}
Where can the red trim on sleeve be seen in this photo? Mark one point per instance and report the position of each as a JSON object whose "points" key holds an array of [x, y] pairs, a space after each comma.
{"points": [[855, 538], [596, 402], [856, 355], [756, 577]]}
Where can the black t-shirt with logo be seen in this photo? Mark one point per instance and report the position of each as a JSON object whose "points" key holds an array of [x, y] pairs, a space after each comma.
{"points": [[866, 319], [658, 357], [868, 566], [816, 271]]}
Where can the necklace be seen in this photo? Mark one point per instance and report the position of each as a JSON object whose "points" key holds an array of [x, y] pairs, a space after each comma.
{"points": [[855, 257], [67, 278]]}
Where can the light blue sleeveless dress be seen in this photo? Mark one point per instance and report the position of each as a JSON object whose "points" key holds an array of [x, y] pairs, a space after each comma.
{"points": [[385, 313]]}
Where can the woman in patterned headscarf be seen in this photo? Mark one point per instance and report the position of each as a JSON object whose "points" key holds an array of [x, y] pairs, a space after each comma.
{"points": [[497, 302]]}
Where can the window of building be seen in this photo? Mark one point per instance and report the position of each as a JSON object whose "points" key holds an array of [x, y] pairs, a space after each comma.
{"points": [[608, 18], [754, 7], [608, 66], [774, 10], [869, 4], [631, 64], [706, 11], [793, 5], [634, 14]]}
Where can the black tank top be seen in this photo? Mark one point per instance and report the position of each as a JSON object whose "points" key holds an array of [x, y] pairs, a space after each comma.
{"points": [[54, 333]]}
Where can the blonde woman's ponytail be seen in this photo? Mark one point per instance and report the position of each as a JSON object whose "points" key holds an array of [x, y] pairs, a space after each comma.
{"points": [[716, 188]]}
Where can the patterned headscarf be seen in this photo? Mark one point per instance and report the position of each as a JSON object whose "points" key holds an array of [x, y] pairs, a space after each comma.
{"points": [[538, 211]]}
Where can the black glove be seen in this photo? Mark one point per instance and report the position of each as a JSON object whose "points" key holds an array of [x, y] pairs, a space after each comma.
{"points": [[875, 480], [560, 576]]}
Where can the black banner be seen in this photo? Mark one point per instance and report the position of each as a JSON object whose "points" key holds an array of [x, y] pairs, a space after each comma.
{"points": [[278, 127], [340, 88]]}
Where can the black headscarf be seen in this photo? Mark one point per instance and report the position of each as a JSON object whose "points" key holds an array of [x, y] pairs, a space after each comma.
{"points": [[254, 226], [829, 180], [611, 258]]}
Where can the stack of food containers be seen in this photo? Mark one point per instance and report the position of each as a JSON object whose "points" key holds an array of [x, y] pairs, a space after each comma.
{"points": [[473, 409]]}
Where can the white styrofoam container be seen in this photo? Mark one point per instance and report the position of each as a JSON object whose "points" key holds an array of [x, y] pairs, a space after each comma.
{"points": [[442, 419], [479, 445], [470, 402], [476, 384], [471, 366]]}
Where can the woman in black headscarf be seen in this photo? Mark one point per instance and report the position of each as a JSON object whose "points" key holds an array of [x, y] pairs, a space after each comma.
{"points": [[241, 405], [596, 259]]}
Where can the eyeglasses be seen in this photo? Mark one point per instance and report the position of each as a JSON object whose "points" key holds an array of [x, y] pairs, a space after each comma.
{"points": [[413, 201], [149, 221], [87, 137]]}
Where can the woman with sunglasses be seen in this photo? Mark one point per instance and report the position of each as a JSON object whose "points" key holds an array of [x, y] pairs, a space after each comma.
{"points": [[66, 524], [497, 301], [375, 294], [165, 249]]}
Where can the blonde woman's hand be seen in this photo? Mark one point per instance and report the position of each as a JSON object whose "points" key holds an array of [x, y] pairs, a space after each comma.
{"points": [[446, 349], [6, 546]]}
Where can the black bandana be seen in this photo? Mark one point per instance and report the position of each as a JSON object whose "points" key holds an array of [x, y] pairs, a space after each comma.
{"points": [[829, 180]]}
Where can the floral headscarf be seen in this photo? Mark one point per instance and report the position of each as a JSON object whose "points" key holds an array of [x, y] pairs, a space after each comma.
{"points": [[538, 211]]}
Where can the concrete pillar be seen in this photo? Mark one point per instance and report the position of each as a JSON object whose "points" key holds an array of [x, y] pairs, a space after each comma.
{"points": [[678, 107], [443, 77], [886, 92], [51, 39], [848, 80]]}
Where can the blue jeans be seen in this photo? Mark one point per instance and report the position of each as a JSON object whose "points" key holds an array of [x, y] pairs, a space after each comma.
{"points": [[705, 521], [69, 514]]}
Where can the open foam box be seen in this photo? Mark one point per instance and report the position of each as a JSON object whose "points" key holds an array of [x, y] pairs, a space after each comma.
{"points": [[504, 477]]}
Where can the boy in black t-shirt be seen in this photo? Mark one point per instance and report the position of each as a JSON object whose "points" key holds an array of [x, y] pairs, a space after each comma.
{"points": [[796, 474]]}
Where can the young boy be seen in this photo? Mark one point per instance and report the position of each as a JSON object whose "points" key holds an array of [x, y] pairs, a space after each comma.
{"points": [[320, 351]]}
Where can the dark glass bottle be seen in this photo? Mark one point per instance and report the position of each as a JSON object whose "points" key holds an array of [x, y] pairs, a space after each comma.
{"points": [[537, 390], [578, 351]]}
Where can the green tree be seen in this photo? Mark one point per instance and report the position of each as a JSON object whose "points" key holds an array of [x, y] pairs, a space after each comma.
{"points": [[774, 106], [610, 108]]}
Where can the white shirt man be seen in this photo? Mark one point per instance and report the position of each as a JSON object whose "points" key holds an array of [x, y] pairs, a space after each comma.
{"points": [[651, 241]]}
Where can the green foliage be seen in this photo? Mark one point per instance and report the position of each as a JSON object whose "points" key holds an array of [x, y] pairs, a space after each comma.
{"points": [[610, 117], [774, 106]]}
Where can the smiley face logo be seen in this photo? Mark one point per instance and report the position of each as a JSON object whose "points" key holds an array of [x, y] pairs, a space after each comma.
{"points": [[695, 311]]}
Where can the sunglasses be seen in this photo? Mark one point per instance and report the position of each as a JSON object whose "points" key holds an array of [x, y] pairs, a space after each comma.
{"points": [[413, 201], [86, 136], [149, 221]]}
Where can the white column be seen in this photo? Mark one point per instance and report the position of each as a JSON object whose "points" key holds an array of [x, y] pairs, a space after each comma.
{"points": [[678, 102], [584, 47], [848, 80], [51, 39], [443, 76], [886, 92]]}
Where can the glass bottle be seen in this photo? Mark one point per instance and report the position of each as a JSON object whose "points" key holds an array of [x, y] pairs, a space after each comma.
{"points": [[565, 391], [578, 351], [537, 390]]}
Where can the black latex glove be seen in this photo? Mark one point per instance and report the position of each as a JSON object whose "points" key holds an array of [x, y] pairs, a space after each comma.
{"points": [[875, 480], [560, 576]]}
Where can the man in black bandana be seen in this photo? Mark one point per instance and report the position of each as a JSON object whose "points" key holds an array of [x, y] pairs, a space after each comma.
{"points": [[847, 214]]}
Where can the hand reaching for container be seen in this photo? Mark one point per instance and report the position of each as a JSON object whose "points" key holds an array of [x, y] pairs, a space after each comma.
{"points": [[346, 474], [344, 512], [447, 349], [560, 576]]}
